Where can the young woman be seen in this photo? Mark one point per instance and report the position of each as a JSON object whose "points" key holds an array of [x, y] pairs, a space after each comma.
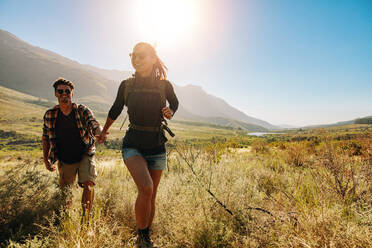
{"points": [[143, 148]]}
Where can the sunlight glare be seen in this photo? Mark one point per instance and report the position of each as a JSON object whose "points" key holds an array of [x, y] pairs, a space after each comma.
{"points": [[166, 22]]}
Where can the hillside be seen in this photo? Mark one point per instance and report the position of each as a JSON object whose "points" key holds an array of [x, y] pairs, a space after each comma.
{"points": [[32, 70], [363, 120], [115, 75], [200, 103], [23, 113]]}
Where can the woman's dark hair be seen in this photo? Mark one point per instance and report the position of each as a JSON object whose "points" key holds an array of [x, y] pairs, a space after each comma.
{"points": [[62, 81], [159, 70]]}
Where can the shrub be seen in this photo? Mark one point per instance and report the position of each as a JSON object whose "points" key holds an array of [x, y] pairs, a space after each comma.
{"points": [[27, 197], [297, 154], [339, 171], [260, 147]]}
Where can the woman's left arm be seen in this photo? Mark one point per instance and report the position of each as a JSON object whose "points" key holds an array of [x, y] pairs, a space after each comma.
{"points": [[168, 112]]}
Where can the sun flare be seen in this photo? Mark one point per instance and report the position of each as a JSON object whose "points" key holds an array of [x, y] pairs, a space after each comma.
{"points": [[165, 21]]}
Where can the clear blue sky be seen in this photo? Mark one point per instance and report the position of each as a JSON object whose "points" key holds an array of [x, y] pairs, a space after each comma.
{"points": [[286, 62]]}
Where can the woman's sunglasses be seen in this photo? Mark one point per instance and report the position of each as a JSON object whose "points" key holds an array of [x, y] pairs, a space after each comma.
{"points": [[141, 56], [67, 91]]}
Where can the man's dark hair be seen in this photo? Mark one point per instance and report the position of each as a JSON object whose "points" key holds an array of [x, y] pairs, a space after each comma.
{"points": [[62, 81]]}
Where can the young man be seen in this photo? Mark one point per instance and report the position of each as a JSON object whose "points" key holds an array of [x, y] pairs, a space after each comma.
{"points": [[68, 136]]}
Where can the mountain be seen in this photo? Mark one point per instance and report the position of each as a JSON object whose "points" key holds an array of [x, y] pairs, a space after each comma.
{"points": [[363, 120], [286, 126], [197, 105], [341, 123], [195, 100], [114, 75], [32, 70]]}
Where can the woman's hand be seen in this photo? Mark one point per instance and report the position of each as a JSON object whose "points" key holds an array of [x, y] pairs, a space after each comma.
{"points": [[167, 113], [101, 137]]}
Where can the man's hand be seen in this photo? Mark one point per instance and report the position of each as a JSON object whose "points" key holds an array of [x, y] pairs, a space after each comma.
{"points": [[49, 166], [102, 136], [167, 113]]}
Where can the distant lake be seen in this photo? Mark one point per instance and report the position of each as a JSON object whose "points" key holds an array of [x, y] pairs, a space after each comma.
{"points": [[259, 134]]}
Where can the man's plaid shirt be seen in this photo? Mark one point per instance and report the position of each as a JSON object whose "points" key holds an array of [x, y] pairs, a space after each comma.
{"points": [[85, 122]]}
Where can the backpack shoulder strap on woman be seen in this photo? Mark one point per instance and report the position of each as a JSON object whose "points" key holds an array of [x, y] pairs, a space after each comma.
{"points": [[161, 87], [128, 86]]}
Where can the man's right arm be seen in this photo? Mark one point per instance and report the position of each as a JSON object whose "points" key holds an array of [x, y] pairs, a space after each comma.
{"points": [[46, 148]]}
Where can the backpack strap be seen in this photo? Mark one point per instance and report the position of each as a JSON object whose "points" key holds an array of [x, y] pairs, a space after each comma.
{"points": [[161, 84], [128, 88], [161, 87]]}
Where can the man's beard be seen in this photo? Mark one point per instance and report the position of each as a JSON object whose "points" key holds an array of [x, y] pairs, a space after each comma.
{"points": [[64, 100]]}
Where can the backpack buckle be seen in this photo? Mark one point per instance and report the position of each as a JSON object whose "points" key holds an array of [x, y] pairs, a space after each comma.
{"points": [[165, 127]]}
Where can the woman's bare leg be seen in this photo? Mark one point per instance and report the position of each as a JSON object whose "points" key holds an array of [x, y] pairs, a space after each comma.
{"points": [[155, 175], [137, 167]]}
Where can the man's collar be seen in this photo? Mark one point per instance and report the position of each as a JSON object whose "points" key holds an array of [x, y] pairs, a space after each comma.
{"points": [[74, 106]]}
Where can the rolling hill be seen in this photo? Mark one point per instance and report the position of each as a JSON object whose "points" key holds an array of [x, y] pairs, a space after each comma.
{"points": [[363, 120], [30, 69]]}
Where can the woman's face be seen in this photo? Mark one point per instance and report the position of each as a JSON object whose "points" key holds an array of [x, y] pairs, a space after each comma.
{"points": [[142, 60]]}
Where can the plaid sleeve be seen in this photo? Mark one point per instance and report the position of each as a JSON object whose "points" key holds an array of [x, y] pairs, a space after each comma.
{"points": [[91, 121], [45, 126]]}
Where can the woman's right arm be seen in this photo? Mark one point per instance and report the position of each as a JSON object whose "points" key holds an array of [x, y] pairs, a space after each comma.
{"points": [[114, 112]]}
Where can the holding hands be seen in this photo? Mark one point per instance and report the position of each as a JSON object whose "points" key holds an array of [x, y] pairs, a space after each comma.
{"points": [[101, 136], [102, 133]]}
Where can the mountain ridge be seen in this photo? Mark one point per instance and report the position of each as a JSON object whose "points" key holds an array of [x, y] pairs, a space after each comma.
{"points": [[31, 69], [187, 94], [360, 120]]}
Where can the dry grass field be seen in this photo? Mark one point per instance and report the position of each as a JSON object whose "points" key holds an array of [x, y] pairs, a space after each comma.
{"points": [[221, 188], [308, 193]]}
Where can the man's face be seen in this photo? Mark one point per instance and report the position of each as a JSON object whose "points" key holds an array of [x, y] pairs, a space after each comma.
{"points": [[64, 94]]}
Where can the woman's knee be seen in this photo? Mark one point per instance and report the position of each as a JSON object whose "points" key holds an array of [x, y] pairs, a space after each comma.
{"points": [[146, 190]]}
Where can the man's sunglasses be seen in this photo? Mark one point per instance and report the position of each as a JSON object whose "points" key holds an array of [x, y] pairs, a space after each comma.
{"points": [[67, 91]]}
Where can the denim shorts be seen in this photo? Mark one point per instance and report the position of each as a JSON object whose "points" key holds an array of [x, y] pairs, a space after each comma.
{"points": [[154, 162]]}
